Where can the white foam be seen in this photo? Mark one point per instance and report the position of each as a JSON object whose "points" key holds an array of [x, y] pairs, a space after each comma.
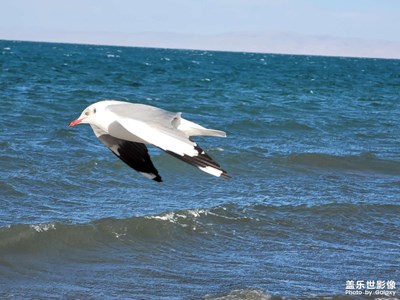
{"points": [[174, 217], [165, 217], [217, 149], [43, 227], [197, 212], [119, 236]]}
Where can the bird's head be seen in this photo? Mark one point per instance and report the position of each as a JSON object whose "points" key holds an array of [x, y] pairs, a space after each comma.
{"points": [[87, 116], [93, 113]]}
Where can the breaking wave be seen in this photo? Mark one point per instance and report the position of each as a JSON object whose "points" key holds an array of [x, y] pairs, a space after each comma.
{"points": [[176, 226]]}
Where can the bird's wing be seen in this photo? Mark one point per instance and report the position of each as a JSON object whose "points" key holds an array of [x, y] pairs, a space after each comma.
{"points": [[133, 154], [144, 113], [151, 125], [160, 128], [202, 161], [161, 118]]}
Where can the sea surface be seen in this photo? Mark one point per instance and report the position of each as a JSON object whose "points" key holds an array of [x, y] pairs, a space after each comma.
{"points": [[312, 209]]}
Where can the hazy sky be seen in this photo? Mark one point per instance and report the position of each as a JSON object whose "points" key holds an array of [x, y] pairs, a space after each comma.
{"points": [[104, 21]]}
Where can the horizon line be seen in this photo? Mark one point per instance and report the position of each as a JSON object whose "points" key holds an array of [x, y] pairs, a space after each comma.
{"points": [[204, 48]]}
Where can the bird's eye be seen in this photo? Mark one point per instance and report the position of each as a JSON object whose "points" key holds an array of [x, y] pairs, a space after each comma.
{"points": [[86, 113], [94, 110]]}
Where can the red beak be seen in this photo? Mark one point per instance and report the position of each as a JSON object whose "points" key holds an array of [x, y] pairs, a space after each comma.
{"points": [[75, 122]]}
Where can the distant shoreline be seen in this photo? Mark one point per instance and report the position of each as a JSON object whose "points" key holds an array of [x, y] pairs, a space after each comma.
{"points": [[266, 43]]}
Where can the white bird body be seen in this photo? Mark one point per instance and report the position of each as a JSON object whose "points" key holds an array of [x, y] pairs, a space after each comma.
{"points": [[124, 126]]}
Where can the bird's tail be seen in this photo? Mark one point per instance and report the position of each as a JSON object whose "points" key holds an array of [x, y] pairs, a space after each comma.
{"points": [[193, 129]]}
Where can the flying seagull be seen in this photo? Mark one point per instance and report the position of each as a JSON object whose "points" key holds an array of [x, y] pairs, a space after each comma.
{"points": [[125, 128]]}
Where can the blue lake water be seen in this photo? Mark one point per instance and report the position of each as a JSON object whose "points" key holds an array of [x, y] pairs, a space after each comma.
{"points": [[313, 149]]}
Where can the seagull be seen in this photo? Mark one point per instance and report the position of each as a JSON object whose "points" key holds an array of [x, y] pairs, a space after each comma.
{"points": [[126, 128]]}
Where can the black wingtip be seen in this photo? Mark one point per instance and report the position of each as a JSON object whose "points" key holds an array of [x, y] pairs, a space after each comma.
{"points": [[202, 161], [157, 178], [226, 176]]}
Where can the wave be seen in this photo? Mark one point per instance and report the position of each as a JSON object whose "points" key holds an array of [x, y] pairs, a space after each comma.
{"points": [[255, 294], [242, 294], [221, 222], [169, 225], [367, 162]]}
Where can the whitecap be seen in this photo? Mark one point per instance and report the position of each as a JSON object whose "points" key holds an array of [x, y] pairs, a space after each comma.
{"points": [[216, 149], [119, 236], [165, 217], [197, 212], [43, 227]]}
